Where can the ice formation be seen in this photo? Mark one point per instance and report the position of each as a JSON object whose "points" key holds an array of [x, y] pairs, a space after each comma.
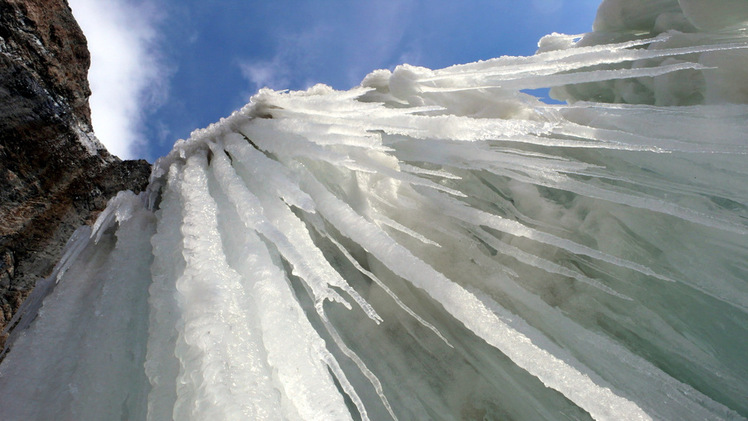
{"points": [[433, 244]]}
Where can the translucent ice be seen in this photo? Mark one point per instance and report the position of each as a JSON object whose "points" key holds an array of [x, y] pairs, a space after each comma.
{"points": [[432, 244]]}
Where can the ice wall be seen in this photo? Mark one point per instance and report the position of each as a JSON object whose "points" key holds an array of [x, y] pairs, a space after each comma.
{"points": [[433, 244], [678, 24]]}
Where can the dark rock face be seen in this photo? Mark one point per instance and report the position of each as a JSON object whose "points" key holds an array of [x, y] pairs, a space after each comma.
{"points": [[54, 174]]}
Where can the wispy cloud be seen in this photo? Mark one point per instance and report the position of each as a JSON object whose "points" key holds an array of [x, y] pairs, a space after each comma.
{"points": [[336, 46], [266, 74], [128, 75], [294, 51]]}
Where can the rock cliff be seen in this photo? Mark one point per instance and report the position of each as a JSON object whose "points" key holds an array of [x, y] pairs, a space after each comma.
{"points": [[54, 174]]}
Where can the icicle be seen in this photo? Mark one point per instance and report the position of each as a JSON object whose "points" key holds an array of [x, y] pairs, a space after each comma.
{"points": [[386, 289], [599, 400], [510, 259], [299, 255]]}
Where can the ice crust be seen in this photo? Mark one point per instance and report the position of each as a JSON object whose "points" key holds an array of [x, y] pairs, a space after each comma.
{"points": [[432, 244]]}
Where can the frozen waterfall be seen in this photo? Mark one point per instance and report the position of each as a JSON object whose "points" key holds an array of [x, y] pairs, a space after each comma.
{"points": [[433, 244]]}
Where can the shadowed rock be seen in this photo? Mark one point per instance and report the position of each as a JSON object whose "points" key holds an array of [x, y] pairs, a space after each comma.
{"points": [[54, 174]]}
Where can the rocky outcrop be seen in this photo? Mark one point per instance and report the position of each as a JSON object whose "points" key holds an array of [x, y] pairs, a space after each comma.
{"points": [[54, 174]]}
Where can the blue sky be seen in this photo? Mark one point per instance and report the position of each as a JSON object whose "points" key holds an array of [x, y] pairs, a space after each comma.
{"points": [[162, 68]]}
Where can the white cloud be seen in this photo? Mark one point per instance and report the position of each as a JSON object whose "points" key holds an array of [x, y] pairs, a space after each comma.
{"points": [[127, 75], [266, 74]]}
